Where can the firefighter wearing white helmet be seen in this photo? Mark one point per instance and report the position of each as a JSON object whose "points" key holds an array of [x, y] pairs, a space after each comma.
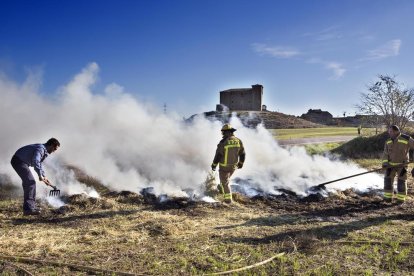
{"points": [[230, 155]]}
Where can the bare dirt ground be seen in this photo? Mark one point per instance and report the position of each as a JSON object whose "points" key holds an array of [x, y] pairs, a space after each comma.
{"points": [[343, 234]]}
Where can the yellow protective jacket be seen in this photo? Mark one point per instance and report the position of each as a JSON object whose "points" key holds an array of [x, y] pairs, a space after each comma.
{"points": [[395, 150], [229, 153]]}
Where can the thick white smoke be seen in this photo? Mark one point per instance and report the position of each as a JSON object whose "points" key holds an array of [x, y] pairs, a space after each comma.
{"points": [[130, 145], [270, 166]]}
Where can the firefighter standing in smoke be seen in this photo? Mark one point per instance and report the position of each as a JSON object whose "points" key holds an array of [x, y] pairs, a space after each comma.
{"points": [[229, 156], [395, 154], [33, 156]]}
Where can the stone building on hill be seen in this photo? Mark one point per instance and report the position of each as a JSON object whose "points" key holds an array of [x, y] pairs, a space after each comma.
{"points": [[241, 99]]}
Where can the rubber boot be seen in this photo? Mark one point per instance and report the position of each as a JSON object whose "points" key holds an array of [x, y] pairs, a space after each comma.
{"points": [[220, 188], [388, 189], [402, 191], [228, 198]]}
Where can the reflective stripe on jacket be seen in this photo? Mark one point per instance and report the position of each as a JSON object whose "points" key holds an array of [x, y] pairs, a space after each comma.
{"points": [[230, 151], [396, 150]]}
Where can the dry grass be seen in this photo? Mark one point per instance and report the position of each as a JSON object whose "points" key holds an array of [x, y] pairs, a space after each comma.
{"points": [[127, 232], [122, 233], [7, 189]]}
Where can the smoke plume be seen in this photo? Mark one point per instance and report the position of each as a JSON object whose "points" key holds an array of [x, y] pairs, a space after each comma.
{"points": [[130, 145]]}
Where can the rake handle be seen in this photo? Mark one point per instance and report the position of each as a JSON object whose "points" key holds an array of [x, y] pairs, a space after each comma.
{"points": [[358, 174]]}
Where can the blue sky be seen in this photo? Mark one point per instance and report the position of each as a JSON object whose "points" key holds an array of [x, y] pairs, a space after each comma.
{"points": [[306, 54]]}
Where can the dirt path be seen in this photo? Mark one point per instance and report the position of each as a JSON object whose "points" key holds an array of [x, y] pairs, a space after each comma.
{"points": [[318, 140]]}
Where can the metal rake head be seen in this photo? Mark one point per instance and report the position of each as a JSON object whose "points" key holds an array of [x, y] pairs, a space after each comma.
{"points": [[54, 192], [317, 189]]}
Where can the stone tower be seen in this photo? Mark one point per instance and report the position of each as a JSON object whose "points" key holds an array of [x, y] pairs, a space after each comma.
{"points": [[242, 99]]}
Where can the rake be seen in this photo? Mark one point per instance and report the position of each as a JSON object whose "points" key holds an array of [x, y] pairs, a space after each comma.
{"points": [[55, 192], [321, 187]]}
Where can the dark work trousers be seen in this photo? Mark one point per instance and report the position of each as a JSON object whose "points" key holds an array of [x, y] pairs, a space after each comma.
{"points": [[29, 183]]}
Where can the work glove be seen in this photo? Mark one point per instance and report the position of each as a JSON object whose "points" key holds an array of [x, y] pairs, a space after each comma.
{"points": [[213, 167], [412, 172], [239, 165], [385, 165]]}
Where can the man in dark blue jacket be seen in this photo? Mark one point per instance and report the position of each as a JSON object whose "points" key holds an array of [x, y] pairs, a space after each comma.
{"points": [[32, 156]]}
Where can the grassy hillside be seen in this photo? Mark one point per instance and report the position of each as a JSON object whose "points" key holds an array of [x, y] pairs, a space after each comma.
{"points": [[271, 120], [363, 147]]}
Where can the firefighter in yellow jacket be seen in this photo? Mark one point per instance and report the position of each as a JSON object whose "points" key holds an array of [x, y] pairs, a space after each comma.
{"points": [[395, 154], [229, 156]]}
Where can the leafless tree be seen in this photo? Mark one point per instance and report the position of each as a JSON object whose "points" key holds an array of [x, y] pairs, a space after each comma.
{"points": [[389, 100]]}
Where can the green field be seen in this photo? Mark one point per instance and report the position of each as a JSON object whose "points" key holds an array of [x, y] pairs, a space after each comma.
{"points": [[321, 148], [296, 133]]}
